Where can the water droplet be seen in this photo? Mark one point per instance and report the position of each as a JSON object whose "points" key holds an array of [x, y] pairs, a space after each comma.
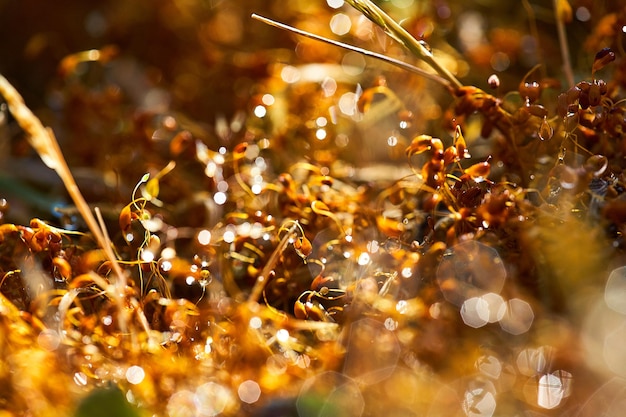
{"points": [[182, 404], [532, 361], [479, 402], [211, 399], [490, 366], [615, 290], [497, 306], [475, 312], [340, 24], [268, 99], [290, 74], [260, 111], [545, 130], [282, 335], [364, 259], [255, 322], [135, 374], [518, 317], [49, 340], [249, 391], [549, 391], [390, 324]]}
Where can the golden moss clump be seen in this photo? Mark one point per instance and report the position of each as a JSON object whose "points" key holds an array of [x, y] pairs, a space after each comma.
{"points": [[441, 234]]}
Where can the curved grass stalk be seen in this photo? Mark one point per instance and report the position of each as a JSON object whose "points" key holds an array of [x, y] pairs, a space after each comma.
{"points": [[44, 142]]}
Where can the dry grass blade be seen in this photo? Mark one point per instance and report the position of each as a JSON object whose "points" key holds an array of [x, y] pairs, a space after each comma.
{"points": [[366, 52], [44, 142], [400, 35]]}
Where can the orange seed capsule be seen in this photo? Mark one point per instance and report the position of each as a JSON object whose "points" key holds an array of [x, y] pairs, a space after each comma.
{"points": [[303, 246], [479, 170], [62, 266], [240, 150], [319, 207], [460, 144], [450, 155], [126, 217], [419, 144], [180, 142], [602, 59], [390, 227]]}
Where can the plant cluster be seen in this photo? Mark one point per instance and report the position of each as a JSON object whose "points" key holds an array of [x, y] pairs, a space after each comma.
{"points": [[260, 268]]}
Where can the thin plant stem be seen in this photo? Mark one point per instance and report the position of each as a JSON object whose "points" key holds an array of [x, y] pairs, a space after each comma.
{"points": [[563, 45], [45, 144], [535, 34], [400, 64], [120, 284]]}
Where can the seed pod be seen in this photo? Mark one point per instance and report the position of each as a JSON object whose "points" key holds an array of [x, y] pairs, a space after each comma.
{"points": [[594, 95], [180, 142], [530, 91], [321, 281], [240, 150], [419, 144], [459, 143], [450, 155], [602, 59], [300, 310], [390, 227], [493, 81], [437, 145], [480, 170], [431, 201], [433, 175], [303, 247], [62, 266], [126, 217]]}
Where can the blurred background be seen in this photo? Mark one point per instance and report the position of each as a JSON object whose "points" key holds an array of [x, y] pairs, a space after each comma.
{"points": [[210, 63]]}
